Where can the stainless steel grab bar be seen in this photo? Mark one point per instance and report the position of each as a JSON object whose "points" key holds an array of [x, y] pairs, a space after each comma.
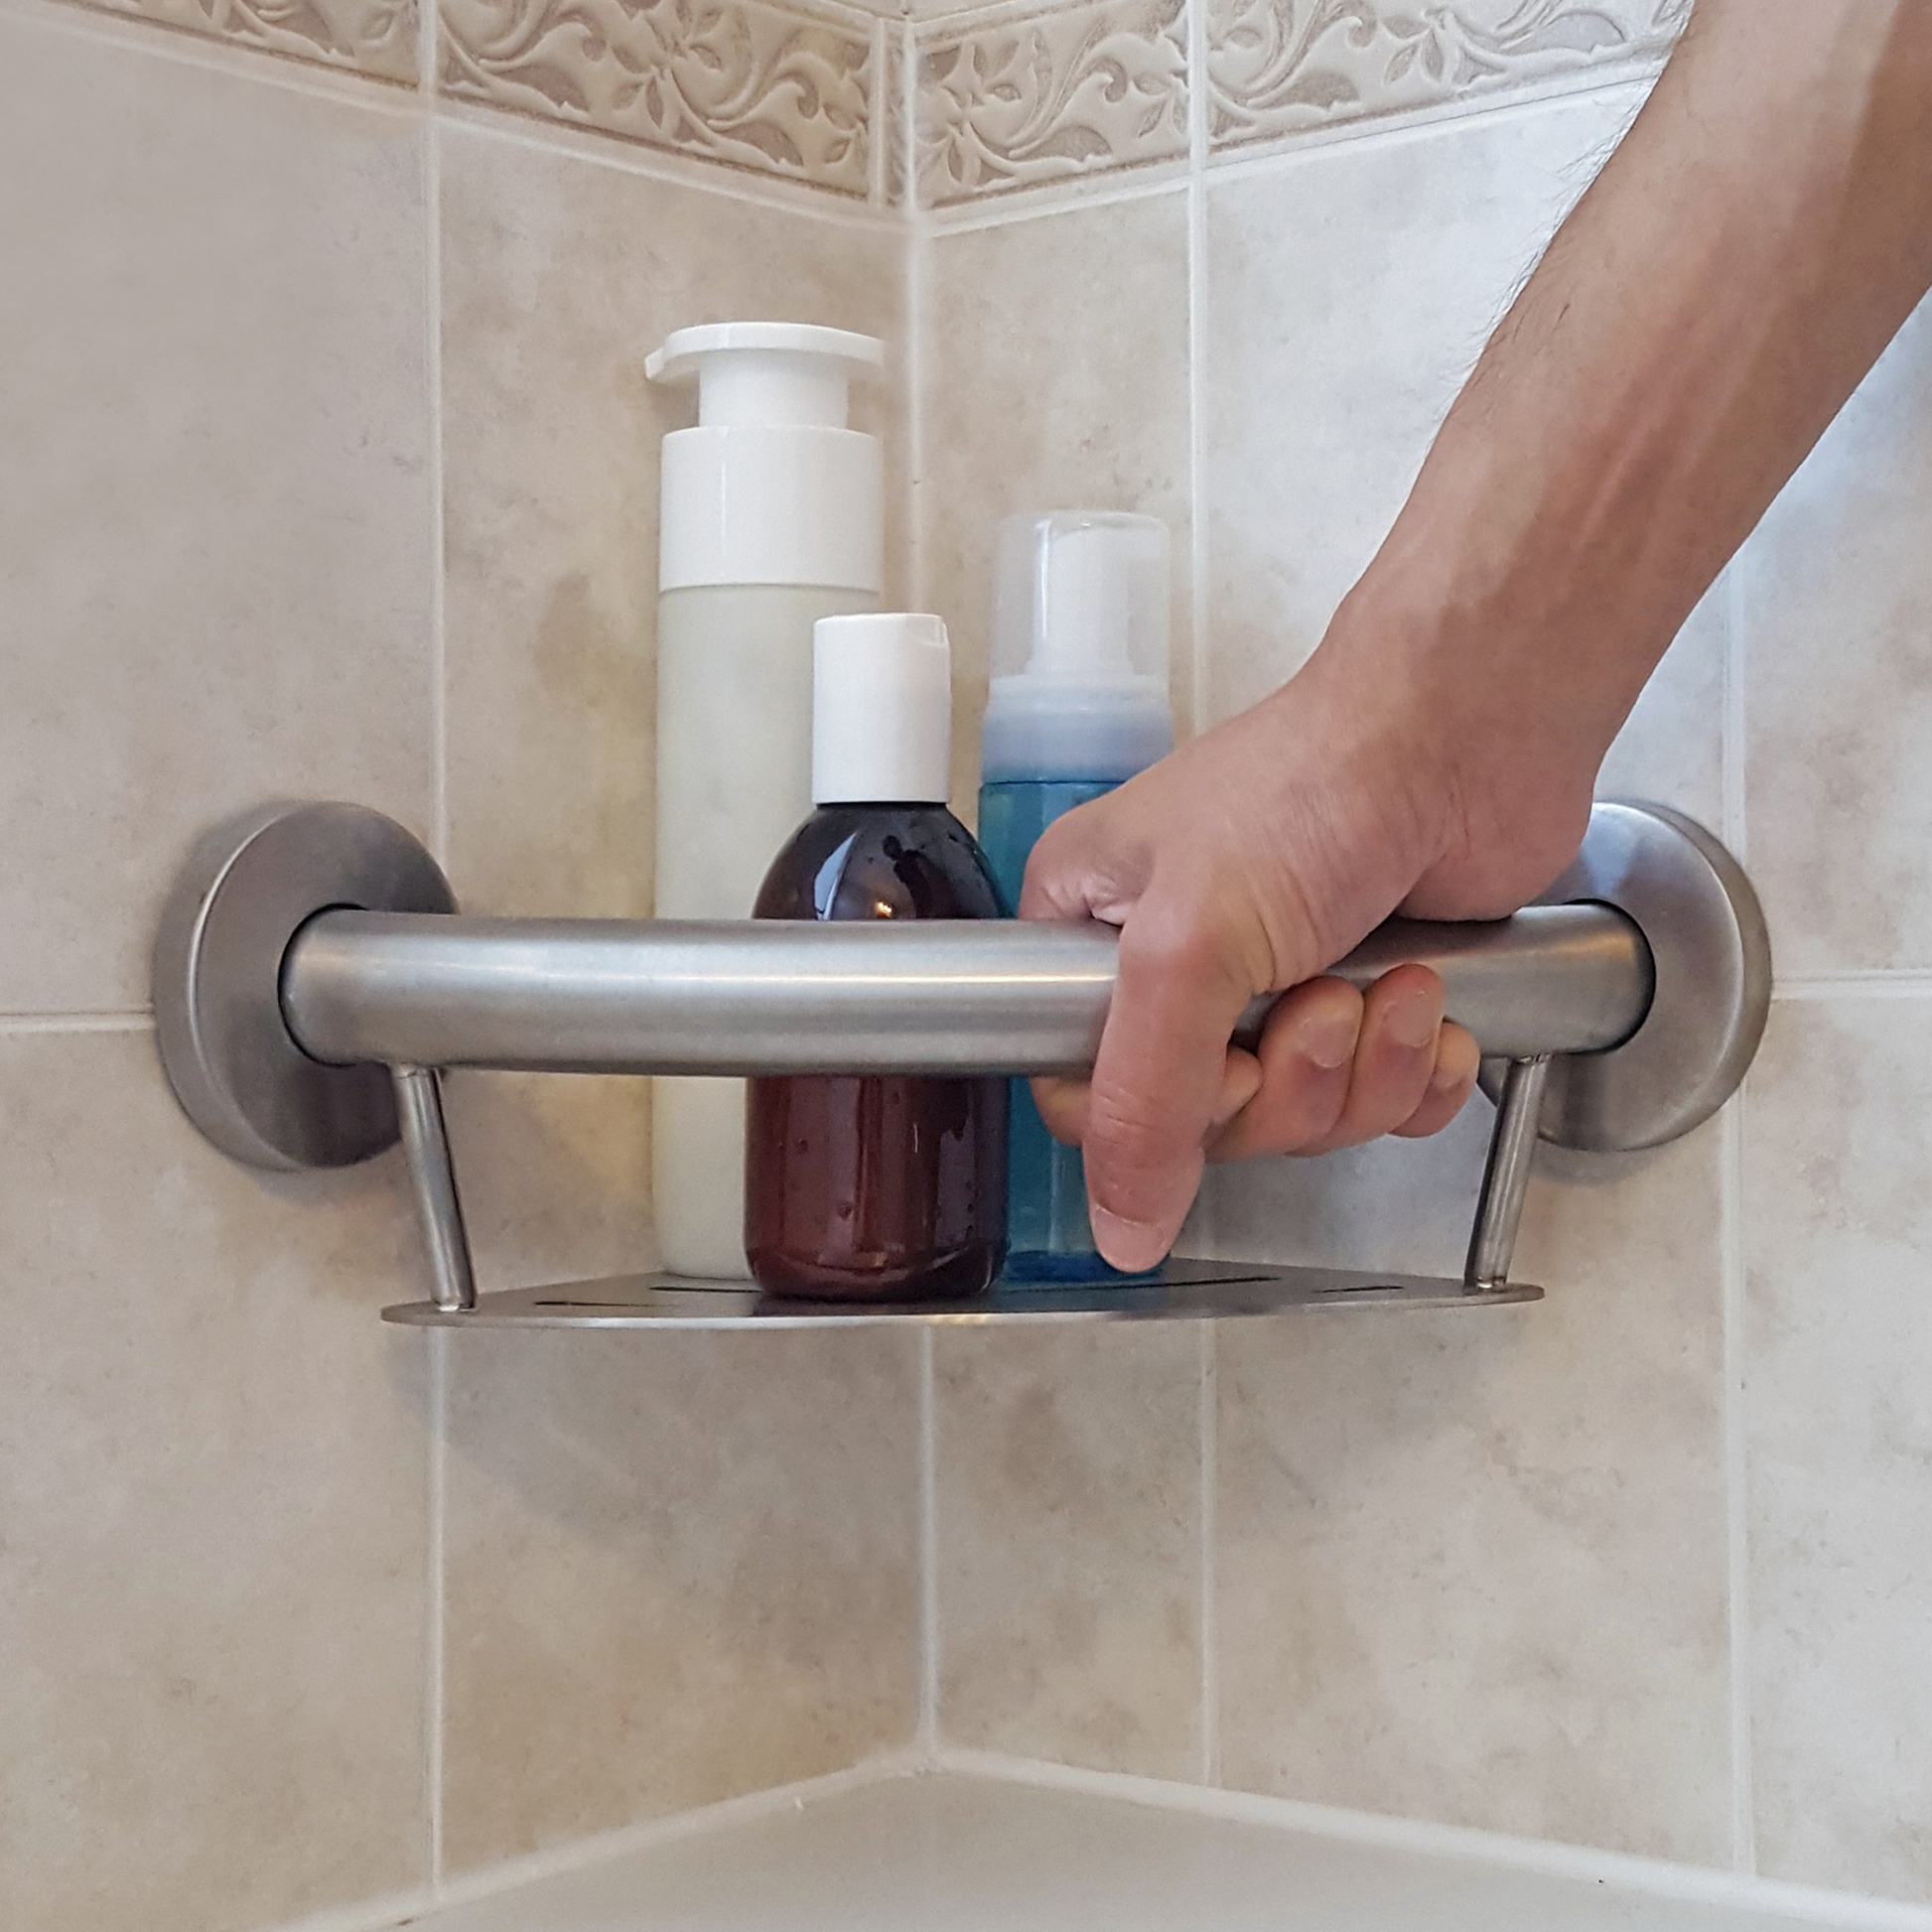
{"points": [[312, 975], [587, 996]]}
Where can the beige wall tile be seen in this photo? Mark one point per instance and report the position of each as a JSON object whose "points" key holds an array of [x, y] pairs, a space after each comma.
{"points": [[679, 1568], [213, 1513], [214, 526], [1069, 1524], [1471, 1565], [1839, 1408], [1056, 378], [1671, 749], [1348, 295], [1400, 1205], [1835, 594], [561, 274]]}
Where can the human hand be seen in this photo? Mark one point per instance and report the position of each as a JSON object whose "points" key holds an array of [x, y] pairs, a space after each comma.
{"points": [[1246, 863]]}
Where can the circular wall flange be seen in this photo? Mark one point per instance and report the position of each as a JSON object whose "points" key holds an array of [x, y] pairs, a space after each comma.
{"points": [[246, 890], [1713, 960]]}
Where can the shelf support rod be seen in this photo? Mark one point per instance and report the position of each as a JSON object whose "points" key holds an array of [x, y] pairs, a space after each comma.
{"points": [[1506, 1175], [432, 1174]]}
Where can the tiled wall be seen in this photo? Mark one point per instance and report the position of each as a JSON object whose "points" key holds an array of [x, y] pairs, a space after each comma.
{"points": [[1647, 1566], [330, 471]]}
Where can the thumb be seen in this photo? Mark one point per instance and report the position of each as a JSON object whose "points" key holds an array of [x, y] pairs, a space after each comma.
{"points": [[1160, 1080]]}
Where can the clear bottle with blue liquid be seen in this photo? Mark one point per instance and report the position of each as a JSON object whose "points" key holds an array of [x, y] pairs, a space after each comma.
{"points": [[1079, 704]]}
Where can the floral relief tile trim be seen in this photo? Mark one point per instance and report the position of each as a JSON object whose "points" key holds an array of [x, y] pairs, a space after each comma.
{"points": [[371, 36], [1063, 89], [770, 88], [1277, 67]]}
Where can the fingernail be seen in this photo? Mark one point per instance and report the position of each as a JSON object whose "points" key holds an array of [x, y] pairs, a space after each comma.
{"points": [[1410, 1022], [1328, 1041], [1130, 1246]]}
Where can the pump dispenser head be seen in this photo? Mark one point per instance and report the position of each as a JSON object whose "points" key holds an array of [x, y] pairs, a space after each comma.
{"points": [[768, 372], [770, 487], [1079, 648], [881, 710]]}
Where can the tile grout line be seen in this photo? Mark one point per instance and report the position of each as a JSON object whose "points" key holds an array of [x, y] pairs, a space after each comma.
{"points": [[1015, 206], [435, 1632], [1207, 1393], [570, 141], [914, 322], [439, 716], [1105, 186], [274, 67], [1210, 1478], [436, 1473], [1743, 1854], [1731, 1253], [1197, 545], [602, 146], [1877, 983], [132, 1019], [1734, 718], [929, 1726], [878, 170]]}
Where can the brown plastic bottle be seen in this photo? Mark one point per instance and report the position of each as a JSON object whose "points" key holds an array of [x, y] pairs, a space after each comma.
{"points": [[881, 1188]]}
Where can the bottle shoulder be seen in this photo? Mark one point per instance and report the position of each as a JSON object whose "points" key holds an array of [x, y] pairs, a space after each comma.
{"points": [[880, 862]]}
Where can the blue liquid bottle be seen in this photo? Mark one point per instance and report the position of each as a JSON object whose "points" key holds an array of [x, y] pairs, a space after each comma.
{"points": [[1079, 704]]}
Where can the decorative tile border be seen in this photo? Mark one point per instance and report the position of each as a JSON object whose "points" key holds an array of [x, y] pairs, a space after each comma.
{"points": [[747, 82], [1279, 68], [371, 36], [1009, 95], [1074, 88]]}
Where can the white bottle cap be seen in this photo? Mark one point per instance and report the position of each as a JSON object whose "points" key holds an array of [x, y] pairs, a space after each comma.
{"points": [[1079, 648], [770, 487], [881, 710]]}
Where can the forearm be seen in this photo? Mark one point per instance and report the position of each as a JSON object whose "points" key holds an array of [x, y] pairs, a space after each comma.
{"points": [[1738, 266]]}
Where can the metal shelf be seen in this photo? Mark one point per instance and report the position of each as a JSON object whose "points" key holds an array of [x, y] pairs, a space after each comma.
{"points": [[1184, 1290]]}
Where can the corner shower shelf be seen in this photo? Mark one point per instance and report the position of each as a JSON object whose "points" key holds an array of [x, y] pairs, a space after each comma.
{"points": [[1184, 1290]]}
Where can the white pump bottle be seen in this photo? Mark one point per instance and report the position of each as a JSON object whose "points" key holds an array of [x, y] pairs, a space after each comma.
{"points": [[772, 514]]}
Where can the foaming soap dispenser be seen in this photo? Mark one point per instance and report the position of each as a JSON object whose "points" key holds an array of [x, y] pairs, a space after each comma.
{"points": [[883, 1189], [1079, 704], [771, 516]]}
